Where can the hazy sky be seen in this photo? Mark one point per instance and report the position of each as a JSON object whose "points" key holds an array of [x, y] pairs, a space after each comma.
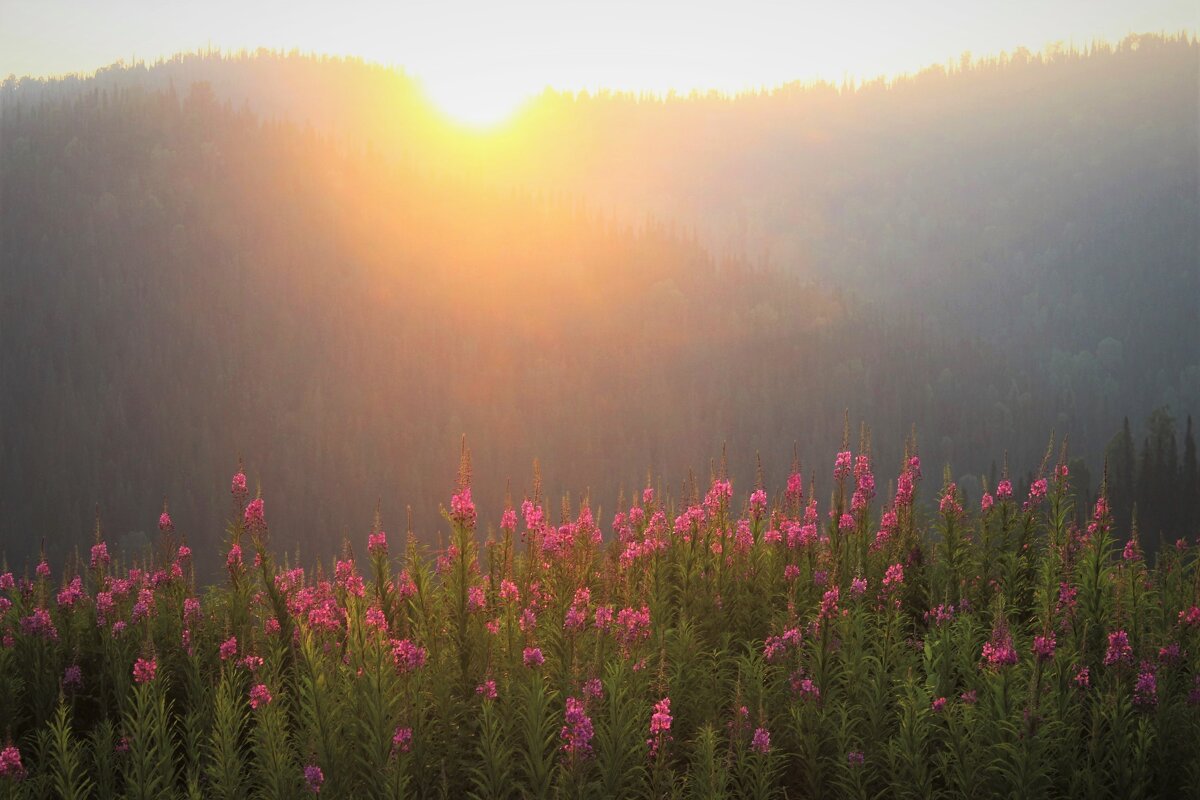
{"points": [[492, 53]]}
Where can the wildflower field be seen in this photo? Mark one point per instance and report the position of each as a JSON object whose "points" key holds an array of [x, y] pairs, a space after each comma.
{"points": [[725, 642]]}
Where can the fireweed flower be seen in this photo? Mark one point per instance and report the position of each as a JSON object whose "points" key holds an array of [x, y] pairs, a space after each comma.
{"points": [[533, 657], [40, 624], [998, 651], [233, 561], [43, 569], [10, 763], [949, 504], [476, 599], [238, 485], [402, 740], [893, 579], [858, 587], [1083, 678], [165, 525], [841, 465], [577, 731], [407, 656], [260, 695], [1043, 647], [855, 758], [72, 677], [1119, 650], [313, 777], [1132, 551], [593, 689], [938, 705], [377, 544], [229, 648], [1004, 490], [486, 690], [508, 520], [100, 555], [660, 725], [986, 502], [462, 509], [144, 670], [1145, 692], [761, 743], [254, 517]]}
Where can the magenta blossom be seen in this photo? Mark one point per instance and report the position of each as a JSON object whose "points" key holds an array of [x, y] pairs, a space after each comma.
{"points": [[144, 670], [260, 695], [313, 777]]}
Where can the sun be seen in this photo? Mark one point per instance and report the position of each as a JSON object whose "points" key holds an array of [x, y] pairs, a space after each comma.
{"points": [[474, 101]]}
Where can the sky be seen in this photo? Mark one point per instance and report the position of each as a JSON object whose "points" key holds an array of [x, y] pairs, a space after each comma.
{"points": [[482, 58]]}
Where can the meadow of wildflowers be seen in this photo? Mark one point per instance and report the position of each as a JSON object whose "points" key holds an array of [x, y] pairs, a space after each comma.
{"points": [[821, 642]]}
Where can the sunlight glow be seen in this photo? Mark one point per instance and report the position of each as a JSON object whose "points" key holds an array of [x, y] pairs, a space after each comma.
{"points": [[474, 103]]}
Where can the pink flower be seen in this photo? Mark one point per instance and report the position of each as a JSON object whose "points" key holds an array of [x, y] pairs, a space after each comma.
{"points": [[144, 671], [1145, 692], [858, 587], [855, 758], [164, 523], [577, 731], [949, 502], [758, 504], [100, 555], [841, 465], [999, 651], [462, 509], [313, 777], [986, 502], [254, 518], [10, 763], [1132, 552], [43, 569], [476, 599], [1004, 490], [508, 520], [533, 657], [40, 624], [238, 485], [377, 544], [375, 618], [593, 689], [938, 705], [660, 725], [845, 523], [1043, 647], [402, 740], [1083, 678], [969, 697], [487, 689], [761, 743], [233, 561], [229, 648], [72, 677], [894, 577], [407, 656], [1118, 649], [260, 695]]}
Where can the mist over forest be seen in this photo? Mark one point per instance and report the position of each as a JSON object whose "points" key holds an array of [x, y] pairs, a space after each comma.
{"points": [[296, 260]]}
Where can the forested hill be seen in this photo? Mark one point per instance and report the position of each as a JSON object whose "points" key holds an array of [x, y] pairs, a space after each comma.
{"points": [[186, 276]]}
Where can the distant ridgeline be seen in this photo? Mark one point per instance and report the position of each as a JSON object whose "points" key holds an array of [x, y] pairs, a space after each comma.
{"points": [[296, 260]]}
